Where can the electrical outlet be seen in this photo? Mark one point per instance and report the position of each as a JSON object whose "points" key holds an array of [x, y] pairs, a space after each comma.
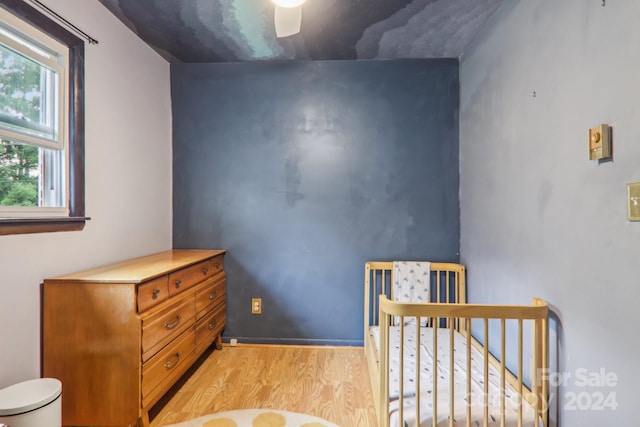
{"points": [[256, 305], [233, 342]]}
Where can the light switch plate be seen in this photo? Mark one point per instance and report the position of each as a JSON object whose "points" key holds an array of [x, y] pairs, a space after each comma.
{"points": [[633, 201]]}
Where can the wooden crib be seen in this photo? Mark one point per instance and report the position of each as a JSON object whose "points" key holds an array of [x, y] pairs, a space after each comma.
{"points": [[492, 395]]}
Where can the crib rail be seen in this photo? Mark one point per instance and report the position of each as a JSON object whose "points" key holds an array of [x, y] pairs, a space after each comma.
{"points": [[461, 318]]}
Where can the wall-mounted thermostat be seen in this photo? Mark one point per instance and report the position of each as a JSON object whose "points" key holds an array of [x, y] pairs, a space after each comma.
{"points": [[600, 142]]}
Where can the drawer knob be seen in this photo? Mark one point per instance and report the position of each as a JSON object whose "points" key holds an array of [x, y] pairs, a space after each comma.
{"points": [[213, 324], [171, 363], [213, 295], [173, 324], [217, 265], [178, 283], [205, 270], [155, 294]]}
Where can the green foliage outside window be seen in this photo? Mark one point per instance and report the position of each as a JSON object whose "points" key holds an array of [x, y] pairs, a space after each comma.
{"points": [[18, 175], [20, 96]]}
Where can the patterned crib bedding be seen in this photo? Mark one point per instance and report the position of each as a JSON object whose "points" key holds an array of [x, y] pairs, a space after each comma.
{"points": [[512, 398]]}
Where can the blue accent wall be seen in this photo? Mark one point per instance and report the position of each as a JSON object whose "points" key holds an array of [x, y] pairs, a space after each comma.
{"points": [[305, 170]]}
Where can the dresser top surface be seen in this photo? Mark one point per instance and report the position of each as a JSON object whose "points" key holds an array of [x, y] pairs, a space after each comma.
{"points": [[137, 270]]}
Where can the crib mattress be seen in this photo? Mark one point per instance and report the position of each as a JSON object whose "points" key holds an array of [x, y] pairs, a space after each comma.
{"points": [[512, 398]]}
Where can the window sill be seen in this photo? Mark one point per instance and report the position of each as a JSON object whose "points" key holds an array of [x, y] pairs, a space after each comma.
{"points": [[41, 225]]}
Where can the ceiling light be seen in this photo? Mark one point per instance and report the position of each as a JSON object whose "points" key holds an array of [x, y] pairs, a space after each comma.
{"points": [[288, 21], [288, 3], [288, 17]]}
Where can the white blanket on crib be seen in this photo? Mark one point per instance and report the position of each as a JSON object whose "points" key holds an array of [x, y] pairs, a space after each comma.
{"points": [[411, 283], [512, 398]]}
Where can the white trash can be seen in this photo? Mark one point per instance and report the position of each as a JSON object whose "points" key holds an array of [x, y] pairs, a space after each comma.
{"points": [[33, 403]]}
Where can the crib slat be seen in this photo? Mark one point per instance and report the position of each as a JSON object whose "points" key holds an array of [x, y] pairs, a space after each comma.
{"points": [[503, 369], [376, 312], [545, 363], [520, 373], [462, 292], [456, 297], [535, 374], [448, 284], [451, 374], [401, 372], [435, 371], [486, 372], [468, 322], [383, 288], [417, 372], [383, 415]]}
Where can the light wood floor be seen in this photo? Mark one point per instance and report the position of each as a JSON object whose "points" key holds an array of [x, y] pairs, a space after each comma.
{"points": [[327, 382]]}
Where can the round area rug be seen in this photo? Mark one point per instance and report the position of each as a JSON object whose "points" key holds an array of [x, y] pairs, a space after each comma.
{"points": [[256, 418]]}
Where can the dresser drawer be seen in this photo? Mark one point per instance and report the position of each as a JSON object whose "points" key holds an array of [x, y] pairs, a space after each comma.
{"points": [[217, 264], [166, 323], [182, 280], [152, 293], [209, 327], [209, 294], [169, 363]]}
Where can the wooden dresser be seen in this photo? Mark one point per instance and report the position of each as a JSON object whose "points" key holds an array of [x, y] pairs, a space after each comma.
{"points": [[119, 336]]}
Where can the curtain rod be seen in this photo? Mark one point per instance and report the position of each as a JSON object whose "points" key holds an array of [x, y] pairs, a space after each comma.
{"points": [[58, 17]]}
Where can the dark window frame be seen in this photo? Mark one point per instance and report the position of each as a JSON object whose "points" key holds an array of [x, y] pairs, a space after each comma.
{"points": [[76, 218]]}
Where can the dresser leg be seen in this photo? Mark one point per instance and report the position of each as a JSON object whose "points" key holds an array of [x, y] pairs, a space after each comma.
{"points": [[219, 342], [144, 420]]}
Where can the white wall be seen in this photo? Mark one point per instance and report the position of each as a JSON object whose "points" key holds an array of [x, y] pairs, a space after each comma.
{"points": [[540, 219], [128, 182]]}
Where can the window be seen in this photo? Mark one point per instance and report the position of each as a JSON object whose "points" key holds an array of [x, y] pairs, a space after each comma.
{"points": [[41, 123]]}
